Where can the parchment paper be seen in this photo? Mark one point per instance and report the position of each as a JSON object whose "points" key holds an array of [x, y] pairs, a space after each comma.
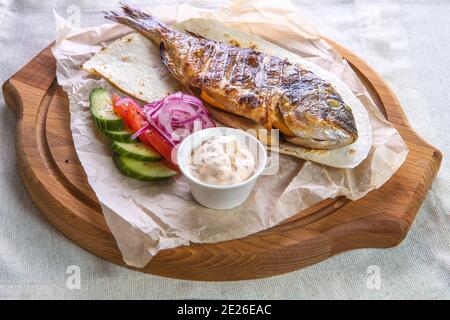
{"points": [[148, 217]]}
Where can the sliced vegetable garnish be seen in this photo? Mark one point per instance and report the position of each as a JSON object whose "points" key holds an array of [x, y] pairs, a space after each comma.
{"points": [[119, 119], [132, 116], [121, 135], [163, 124], [102, 111], [177, 116], [142, 170], [138, 151]]}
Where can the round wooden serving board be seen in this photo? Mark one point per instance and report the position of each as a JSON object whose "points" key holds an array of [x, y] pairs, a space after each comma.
{"points": [[57, 184]]}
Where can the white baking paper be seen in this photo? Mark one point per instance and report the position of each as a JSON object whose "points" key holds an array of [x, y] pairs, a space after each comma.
{"points": [[146, 217]]}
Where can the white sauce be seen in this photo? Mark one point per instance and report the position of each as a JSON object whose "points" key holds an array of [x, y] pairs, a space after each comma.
{"points": [[222, 160]]}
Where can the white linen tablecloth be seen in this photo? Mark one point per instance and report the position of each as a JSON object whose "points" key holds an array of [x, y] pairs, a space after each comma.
{"points": [[405, 41]]}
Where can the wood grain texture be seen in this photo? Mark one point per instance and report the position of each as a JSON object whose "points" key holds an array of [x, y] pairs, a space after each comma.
{"points": [[57, 184]]}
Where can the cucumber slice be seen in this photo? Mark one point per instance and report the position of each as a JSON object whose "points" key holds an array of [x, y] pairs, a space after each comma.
{"points": [[121, 136], [138, 151], [102, 111], [142, 170]]}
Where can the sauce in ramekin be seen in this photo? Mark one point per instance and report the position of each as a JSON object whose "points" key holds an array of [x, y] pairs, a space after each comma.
{"points": [[222, 160]]}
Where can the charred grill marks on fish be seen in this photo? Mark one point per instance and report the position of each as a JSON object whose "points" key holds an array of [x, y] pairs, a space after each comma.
{"points": [[243, 81]]}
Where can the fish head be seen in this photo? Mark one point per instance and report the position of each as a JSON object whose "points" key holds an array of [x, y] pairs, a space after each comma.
{"points": [[320, 119]]}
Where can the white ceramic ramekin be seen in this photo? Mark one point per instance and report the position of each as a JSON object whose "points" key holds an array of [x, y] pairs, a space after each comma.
{"points": [[214, 196]]}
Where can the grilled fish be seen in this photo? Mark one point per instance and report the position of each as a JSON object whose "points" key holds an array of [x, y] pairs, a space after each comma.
{"points": [[269, 90]]}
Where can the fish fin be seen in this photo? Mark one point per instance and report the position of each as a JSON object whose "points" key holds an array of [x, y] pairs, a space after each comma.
{"points": [[138, 20], [194, 34], [165, 59]]}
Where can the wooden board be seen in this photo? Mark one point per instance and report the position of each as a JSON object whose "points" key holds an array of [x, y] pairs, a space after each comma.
{"points": [[57, 184]]}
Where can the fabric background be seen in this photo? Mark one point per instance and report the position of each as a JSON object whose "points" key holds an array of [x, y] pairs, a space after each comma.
{"points": [[405, 41]]}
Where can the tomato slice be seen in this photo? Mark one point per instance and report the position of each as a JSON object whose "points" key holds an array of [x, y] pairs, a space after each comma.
{"points": [[133, 118]]}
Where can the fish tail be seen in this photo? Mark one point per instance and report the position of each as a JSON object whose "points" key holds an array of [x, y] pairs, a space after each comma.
{"points": [[138, 20]]}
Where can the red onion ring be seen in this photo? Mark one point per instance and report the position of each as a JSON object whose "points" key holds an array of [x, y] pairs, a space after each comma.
{"points": [[173, 114]]}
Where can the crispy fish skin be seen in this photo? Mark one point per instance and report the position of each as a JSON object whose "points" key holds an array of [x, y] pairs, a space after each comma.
{"points": [[243, 81]]}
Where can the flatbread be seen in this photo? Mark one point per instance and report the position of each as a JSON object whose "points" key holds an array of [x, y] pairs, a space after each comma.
{"points": [[132, 64]]}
